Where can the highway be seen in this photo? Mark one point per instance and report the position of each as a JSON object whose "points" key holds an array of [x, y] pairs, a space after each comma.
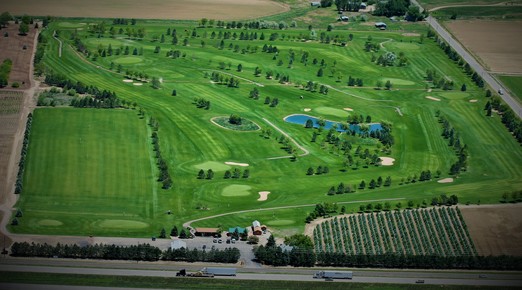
{"points": [[166, 269], [474, 64]]}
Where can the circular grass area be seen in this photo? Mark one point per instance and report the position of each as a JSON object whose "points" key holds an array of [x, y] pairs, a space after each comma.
{"points": [[215, 166], [332, 111], [128, 60], [399, 82], [280, 222], [245, 126], [122, 224], [454, 95], [50, 223], [236, 190]]}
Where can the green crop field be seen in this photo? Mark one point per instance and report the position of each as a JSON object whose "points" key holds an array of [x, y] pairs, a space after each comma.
{"points": [[514, 84], [480, 12], [191, 142], [429, 4]]}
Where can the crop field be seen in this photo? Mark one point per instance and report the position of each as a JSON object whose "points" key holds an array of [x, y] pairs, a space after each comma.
{"points": [[429, 4], [434, 231], [514, 83], [88, 171], [294, 65]]}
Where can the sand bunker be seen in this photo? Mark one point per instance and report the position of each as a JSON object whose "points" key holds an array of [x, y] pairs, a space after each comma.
{"points": [[433, 99], [127, 81], [446, 180], [348, 109], [263, 195], [235, 163], [138, 84], [473, 101], [307, 109], [386, 161], [411, 34]]}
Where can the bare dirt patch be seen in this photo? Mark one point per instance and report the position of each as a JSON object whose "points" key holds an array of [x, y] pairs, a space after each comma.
{"points": [[495, 229], [19, 50], [387, 161], [446, 180], [236, 163], [348, 109], [410, 34], [496, 43], [152, 9], [473, 101]]}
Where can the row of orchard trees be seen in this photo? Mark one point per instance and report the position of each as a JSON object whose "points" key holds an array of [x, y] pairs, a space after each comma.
{"points": [[436, 231], [140, 252], [21, 164]]}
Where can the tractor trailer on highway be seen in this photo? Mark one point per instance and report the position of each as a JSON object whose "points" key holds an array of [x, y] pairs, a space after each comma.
{"points": [[334, 274], [219, 271]]}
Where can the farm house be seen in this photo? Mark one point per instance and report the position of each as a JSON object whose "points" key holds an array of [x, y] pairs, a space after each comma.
{"points": [[257, 228]]}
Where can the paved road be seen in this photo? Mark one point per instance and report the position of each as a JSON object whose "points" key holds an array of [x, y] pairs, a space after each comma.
{"points": [[396, 277], [475, 65]]}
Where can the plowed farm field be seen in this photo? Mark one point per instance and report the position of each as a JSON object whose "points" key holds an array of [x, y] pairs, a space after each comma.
{"points": [[152, 9], [496, 43]]}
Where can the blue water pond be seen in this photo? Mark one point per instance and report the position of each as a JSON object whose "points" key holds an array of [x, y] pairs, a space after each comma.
{"points": [[301, 120]]}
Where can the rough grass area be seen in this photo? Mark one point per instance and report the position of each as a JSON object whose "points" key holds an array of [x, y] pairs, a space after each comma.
{"points": [[514, 83], [88, 170]]}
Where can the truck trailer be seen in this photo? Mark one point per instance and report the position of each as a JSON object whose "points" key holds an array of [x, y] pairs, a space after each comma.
{"points": [[219, 271], [334, 274]]}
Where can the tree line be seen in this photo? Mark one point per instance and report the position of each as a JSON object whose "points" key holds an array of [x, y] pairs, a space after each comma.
{"points": [[510, 120], [23, 154], [461, 150], [164, 175], [5, 70], [300, 255], [140, 252]]}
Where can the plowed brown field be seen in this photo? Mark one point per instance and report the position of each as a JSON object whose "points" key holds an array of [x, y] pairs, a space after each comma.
{"points": [[150, 9], [496, 43], [495, 230]]}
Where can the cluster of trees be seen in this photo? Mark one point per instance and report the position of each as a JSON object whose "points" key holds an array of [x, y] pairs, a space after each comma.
{"points": [[123, 21], [425, 175], [370, 46], [95, 99], [272, 102], [391, 260], [209, 175], [445, 200], [343, 5], [438, 81], [236, 173], [164, 175], [390, 59], [373, 183], [5, 70], [140, 252], [512, 122], [301, 254], [175, 54], [461, 150], [202, 103], [391, 8], [21, 164], [516, 196], [340, 189], [175, 233], [324, 209], [218, 78], [39, 67], [320, 170], [355, 82]]}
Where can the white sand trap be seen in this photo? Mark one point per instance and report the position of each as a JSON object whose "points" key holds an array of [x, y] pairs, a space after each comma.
{"points": [[235, 163], [263, 195], [127, 81], [432, 98], [387, 161], [307, 109], [348, 109], [473, 101], [446, 180], [138, 84], [429, 90]]}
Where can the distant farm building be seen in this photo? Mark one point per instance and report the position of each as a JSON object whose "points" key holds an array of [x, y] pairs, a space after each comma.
{"points": [[363, 5], [178, 244], [206, 232], [315, 4], [380, 25], [344, 18]]}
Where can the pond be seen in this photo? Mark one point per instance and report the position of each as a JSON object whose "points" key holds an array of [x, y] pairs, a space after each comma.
{"points": [[301, 120]]}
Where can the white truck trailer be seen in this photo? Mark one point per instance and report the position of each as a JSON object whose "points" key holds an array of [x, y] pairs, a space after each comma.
{"points": [[219, 271], [333, 275]]}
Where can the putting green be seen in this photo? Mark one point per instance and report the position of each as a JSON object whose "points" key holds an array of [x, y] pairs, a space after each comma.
{"points": [[215, 166], [52, 223], [122, 224], [236, 190], [280, 222], [454, 95], [399, 82], [404, 46], [128, 60], [331, 111]]}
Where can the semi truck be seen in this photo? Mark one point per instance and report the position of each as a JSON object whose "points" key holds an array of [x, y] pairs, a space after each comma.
{"points": [[333, 275], [219, 271], [183, 273]]}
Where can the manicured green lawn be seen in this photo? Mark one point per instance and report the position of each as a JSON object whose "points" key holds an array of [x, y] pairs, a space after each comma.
{"points": [[190, 141], [88, 171]]}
